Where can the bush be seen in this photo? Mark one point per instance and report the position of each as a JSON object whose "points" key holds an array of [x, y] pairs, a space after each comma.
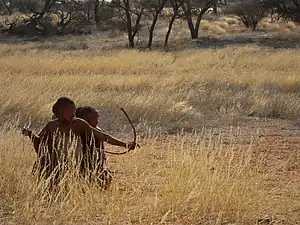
{"points": [[205, 25], [222, 24], [287, 9], [250, 12], [216, 29], [230, 20]]}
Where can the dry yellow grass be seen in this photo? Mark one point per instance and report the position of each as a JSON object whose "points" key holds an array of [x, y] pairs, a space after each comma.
{"points": [[229, 24], [222, 24], [216, 29], [230, 20], [205, 25], [177, 181], [291, 25], [185, 179], [268, 25], [151, 84]]}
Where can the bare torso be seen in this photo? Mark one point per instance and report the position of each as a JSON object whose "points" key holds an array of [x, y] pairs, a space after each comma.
{"points": [[57, 139]]}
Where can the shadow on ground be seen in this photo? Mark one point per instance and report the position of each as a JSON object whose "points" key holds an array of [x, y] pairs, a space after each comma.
{"points": [[82, 42], [262, 39]]}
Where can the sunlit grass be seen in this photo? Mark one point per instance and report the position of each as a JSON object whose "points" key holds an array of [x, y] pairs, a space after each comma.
{"points": [[153, 85], [186, 179]]}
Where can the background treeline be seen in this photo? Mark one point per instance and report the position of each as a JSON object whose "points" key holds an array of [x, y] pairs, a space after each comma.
{"points": [[60, 17]]}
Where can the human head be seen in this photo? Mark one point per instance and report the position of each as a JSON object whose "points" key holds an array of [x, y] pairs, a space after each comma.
{"points": [[64, 109], [89, 114]]}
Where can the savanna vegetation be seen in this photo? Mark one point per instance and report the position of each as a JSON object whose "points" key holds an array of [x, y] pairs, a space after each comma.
{"points": [[215, 105]]}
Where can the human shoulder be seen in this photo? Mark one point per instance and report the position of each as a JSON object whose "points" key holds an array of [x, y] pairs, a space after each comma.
{"points": [[52, 124], [79, 121], [49, 127], [98, 128]]}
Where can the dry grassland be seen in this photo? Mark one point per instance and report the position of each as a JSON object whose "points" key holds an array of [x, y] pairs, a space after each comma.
{"points": [[194, 178]]}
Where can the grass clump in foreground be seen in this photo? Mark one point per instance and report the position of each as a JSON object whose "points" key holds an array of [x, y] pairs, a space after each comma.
{"points": [[184, 180]]}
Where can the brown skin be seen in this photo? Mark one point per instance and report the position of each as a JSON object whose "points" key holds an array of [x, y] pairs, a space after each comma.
{"points": [[35, 139], [66, 124], [104, 177], [92, 118], [77, 126]]}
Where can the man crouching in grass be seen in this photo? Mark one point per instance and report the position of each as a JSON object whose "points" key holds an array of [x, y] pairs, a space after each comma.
{"points": [[51, 144]]}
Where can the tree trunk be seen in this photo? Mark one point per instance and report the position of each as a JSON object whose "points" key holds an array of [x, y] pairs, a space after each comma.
{"points": [[9, 10], [96, 11], [254, 25], [129, 31], [170, 28], [176, 8], [244, 21], [137, 25], [131, 40], [151, 31], [199, 18], [189, 19], [194, 33], [129, 25], [154, 21], [194, 29]]}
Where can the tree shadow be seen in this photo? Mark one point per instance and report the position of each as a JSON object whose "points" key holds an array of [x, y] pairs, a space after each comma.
{"points": [[264, 40], [66, 42], [96, 41]]}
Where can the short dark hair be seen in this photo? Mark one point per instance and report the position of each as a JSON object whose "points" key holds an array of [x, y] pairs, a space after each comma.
{"points": [[82, 112], [61, 102]]}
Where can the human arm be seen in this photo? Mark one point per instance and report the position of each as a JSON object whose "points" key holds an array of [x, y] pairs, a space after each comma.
{"points": [[36, 139], [102, 136], [105, 137]]}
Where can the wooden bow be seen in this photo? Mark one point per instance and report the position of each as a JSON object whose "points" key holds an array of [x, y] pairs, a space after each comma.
{"points": [[132, 126], [134, 136]]}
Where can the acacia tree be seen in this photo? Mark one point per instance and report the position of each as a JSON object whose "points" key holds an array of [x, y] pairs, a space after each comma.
{"points": [[154, 8], [287, 9], [175, 4], [197, 8], [131, 12], [24, 6], [7, 5], [250, 12], [73, 16], [33, 22], [37, 17], [99, 7]]}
